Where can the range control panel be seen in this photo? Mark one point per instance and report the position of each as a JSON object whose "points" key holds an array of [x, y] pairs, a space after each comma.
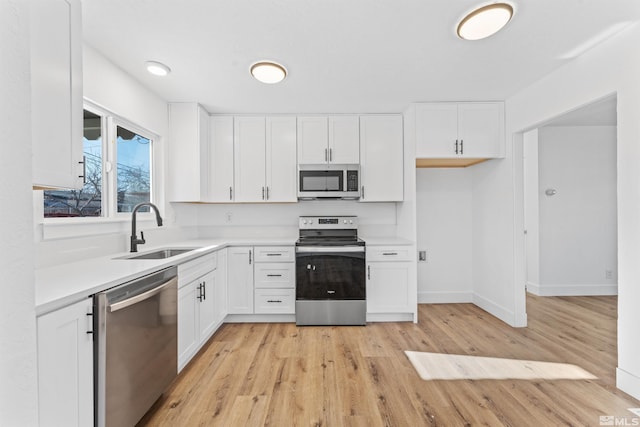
{"points": [[328, 222]]}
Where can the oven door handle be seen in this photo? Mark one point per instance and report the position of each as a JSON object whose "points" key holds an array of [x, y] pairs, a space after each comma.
{"points": [[141, 297], [325, 249]]}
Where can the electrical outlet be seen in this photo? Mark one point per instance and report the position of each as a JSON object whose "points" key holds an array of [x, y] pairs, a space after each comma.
{"points": [[422, 256], [227, 217], [608, 274]]}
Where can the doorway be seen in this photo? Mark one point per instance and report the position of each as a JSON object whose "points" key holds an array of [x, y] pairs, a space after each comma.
{"points": [[570, 203]]}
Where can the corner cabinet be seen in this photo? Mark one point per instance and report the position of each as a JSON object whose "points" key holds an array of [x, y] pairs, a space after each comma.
{"points": [[462, 131], [265, 159], [328, 140], [188, 149], [56, 93], [65, 366], [381, 158]]}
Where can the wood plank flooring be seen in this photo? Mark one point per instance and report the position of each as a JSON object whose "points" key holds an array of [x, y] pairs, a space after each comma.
{"points": [[283, 375]]}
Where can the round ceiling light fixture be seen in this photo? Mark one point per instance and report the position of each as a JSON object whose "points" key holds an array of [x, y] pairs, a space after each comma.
{"points": [[157, 68], [268, 72], [485, 21]]}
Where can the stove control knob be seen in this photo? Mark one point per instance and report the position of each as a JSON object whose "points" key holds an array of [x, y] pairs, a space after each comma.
{"points": [[350, 221], [345, 221], [304, 221]]}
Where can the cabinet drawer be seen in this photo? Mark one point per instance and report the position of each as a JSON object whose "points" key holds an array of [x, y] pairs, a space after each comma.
{"points": [[274, 253], [275, 301], [275, 275], [388, 253], [191, 270]]}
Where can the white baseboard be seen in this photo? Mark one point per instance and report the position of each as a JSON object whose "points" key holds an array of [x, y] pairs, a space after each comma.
{"points": [[571, 290], [444, 297], [496, 310], [628, 383]]}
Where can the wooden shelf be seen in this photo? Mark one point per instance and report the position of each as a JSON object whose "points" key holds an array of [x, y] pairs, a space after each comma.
{"points": [[448, 163]]}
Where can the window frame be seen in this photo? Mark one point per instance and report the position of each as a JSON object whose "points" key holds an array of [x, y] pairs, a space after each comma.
{"points": [[109, 121]]}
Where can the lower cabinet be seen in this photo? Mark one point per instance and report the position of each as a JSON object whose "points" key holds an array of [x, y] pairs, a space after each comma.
{"points": [[240, 261], [388, 289], [197, 317], [275, 280], [65, 366]]}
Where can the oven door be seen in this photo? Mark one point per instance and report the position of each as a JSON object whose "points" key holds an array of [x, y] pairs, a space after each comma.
{"points": [[330, 273]]}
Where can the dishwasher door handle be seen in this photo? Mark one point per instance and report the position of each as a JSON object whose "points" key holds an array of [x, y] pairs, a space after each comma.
{"points": [[141, 297]]}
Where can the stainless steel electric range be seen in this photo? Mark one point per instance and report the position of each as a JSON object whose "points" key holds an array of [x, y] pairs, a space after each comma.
{"points": [[330, 272]]}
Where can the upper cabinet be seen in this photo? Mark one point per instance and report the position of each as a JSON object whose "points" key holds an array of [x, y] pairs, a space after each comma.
{"points": [[381, 158], [328, 140], [265, 159], [466, 132], [220, 165], [56, 93], [188, 151]]}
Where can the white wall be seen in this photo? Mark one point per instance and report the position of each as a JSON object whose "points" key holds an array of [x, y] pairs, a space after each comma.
{"points": [[18, 387], [531, 209], [612, 67], [578, 225], [444, 220]]}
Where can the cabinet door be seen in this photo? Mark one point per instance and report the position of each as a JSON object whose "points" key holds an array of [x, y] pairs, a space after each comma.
{"points": [[388, 287], [313, 140], [207, 306], [344, 140], [436, 130], [240, 280], [56, 93], [220, 168], [65, 366], [220, 293], [188, 152], [481, 129], [188, 317], [381, 158], [281, 167], [249, 161]]}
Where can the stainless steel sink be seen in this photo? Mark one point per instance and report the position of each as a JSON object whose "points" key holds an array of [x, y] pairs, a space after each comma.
{"points": [[160, 253]]}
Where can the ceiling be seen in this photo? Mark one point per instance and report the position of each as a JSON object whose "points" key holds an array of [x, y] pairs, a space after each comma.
{"points": [[343, 56]]}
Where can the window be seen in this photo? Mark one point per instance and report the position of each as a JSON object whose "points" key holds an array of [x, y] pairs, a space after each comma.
{"points": [[118, 176]]}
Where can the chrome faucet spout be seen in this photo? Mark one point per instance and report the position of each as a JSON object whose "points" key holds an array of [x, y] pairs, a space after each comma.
{"points": [[134, 238]]}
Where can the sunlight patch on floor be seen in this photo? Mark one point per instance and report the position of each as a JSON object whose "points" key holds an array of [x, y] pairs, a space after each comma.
{"points": [[438, 366]]}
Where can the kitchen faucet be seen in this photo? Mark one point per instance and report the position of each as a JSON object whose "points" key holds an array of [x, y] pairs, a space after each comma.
{"points": [[134, 239]]}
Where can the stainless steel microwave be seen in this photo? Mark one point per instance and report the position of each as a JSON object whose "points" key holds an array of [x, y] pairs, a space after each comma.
{"points": [[328, 181]]}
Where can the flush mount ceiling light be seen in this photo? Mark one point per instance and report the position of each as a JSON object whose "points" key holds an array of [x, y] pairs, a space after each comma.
{"points": [[268, 72], [485, 21], [157, 68]]}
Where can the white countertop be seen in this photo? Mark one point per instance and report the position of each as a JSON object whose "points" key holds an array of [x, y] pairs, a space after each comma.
{"points": [[65, 284]]}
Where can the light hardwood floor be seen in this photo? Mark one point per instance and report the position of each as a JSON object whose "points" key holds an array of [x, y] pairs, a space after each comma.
{"points": [[283, 375]]}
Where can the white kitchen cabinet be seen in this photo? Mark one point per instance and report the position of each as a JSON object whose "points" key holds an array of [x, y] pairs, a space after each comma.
{"points": [[240, 261], [381, 158], [460, 130], [197, 319], [265, 159], [388, 289], [56, 93], [220, 165], [65, 366], [328, 140], [188, 153], [275, 280]]}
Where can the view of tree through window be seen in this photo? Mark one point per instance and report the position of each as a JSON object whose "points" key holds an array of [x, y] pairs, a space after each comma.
{"points": [[88, 200], [118, 171], [134, 172]]}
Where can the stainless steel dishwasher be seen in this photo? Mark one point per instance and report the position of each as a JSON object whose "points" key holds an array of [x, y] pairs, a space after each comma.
{"points": [[136, 347]]}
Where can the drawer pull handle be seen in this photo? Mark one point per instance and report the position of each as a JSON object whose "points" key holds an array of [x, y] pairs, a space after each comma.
{"points": [[274, 275], [390, 253], [331, 292], [274, 254], [274, 300]]}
